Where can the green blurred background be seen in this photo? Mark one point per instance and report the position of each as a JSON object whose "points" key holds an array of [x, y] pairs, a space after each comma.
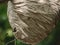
{"points": [[7, 36]]}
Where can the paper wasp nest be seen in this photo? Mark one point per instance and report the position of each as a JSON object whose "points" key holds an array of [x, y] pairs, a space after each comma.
{"points": [[32, 20]]}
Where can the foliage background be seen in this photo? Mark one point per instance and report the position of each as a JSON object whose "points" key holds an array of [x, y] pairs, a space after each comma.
{"points": [[6, 34]]}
